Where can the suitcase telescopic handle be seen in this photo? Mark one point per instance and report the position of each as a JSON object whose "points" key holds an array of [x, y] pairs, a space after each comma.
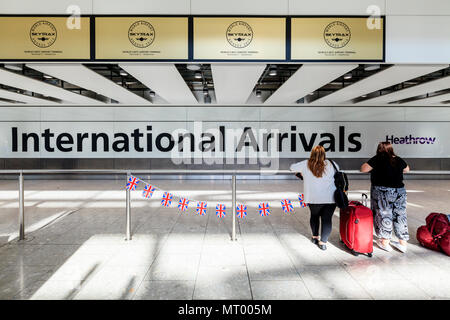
{"points": [[364, 199]]}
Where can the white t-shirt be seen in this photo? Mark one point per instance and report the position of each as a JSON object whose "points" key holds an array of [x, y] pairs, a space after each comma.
{"points": [[317, 190]]}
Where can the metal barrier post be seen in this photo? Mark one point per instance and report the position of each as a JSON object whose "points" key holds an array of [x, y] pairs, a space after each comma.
{"points": [[128, 211], [21, 208], [233, 232]]}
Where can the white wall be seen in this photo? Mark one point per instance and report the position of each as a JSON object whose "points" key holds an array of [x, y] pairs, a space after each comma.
{"points": [[245, 7], [43, 6], [418, 31], [418, 39], [418, 7], [336, 7], [141, 6], [311, 122]]}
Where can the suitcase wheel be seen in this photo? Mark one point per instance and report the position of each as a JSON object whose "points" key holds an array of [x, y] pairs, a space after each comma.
{"points": [[370, 255]]}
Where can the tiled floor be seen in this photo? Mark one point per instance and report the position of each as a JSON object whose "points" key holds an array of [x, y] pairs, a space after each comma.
{"points": [[77, 249]]}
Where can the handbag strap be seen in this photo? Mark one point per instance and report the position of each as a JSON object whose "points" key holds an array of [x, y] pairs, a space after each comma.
{"points": [[334, 165], [432, 228]]}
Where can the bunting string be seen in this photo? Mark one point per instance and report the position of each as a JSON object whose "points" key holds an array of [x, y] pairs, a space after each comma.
{"points": [[201, 206]]}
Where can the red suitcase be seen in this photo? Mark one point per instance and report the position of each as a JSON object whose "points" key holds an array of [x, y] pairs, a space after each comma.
{"points": [[356, 227]]}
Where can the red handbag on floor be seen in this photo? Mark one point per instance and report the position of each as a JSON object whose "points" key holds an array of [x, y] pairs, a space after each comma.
{"points": [[436, 234], [445, 243], [426, 239]]}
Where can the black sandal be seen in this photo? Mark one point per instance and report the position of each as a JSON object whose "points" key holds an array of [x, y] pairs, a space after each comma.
{"points": [[315, 240]]}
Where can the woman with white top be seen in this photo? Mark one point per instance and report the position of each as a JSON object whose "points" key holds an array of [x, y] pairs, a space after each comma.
{"points": [[318, 176]]}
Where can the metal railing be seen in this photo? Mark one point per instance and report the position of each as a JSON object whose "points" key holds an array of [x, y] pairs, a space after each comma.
{"points": [[128, 173]]}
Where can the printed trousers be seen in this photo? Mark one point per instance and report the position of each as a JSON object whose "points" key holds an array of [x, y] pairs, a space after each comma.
{"points": [[389, 208]]}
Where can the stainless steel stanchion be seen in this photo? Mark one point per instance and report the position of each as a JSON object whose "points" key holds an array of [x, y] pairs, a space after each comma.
{"points": [[21, 208], [233, 232], [128, 211]]}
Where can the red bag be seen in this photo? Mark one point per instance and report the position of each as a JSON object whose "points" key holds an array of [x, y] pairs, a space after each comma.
{"points": [[436, 234], [444, 242], [437, 224], [426, 239], [356, 228]]}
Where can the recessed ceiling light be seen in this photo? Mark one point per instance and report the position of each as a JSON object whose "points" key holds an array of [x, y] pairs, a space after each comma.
{"points": [[258, 93], [205, 91], [152, 93], [273, 71], [364, 96], [372, 67], [348, 76], [198, 75], [123, 73], [14, 66], [193, 67], [46, 76], [311, 93]]}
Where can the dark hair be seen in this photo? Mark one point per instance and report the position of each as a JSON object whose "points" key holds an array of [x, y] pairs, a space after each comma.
{"points": [[386, 150]]}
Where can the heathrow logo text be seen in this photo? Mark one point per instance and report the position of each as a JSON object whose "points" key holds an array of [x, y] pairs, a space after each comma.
{"points": [[410, 140]]}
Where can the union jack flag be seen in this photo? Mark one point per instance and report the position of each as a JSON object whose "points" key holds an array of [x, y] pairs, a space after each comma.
{"points": [[220, 210], [167, 199], [132, 183], [241, 211], [287, 206], [301, 199], [264, 209], [201, 208], [183, 204], [148, 191]]}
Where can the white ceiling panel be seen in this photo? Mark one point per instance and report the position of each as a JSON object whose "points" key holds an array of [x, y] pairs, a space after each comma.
{"points": [[10, 95], [414, 91], [428, 101], [22, 82], [233, 83], [164, 79], [84, 77], [306, 79], [380, 80]]}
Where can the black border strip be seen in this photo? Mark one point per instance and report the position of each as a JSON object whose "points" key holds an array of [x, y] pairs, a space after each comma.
{"points": [[191, 39]]}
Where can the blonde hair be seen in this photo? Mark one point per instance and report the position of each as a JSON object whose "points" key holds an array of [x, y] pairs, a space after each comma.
{"points": [[316, 162]]}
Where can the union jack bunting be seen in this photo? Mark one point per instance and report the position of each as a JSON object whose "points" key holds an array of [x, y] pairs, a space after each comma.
{"points": [[241, 211], [183, 204], [287, 206], [167, 199], [264, 209], [301, 199], [132, 183], [220, 210], [201, 208], [148, 191]]}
